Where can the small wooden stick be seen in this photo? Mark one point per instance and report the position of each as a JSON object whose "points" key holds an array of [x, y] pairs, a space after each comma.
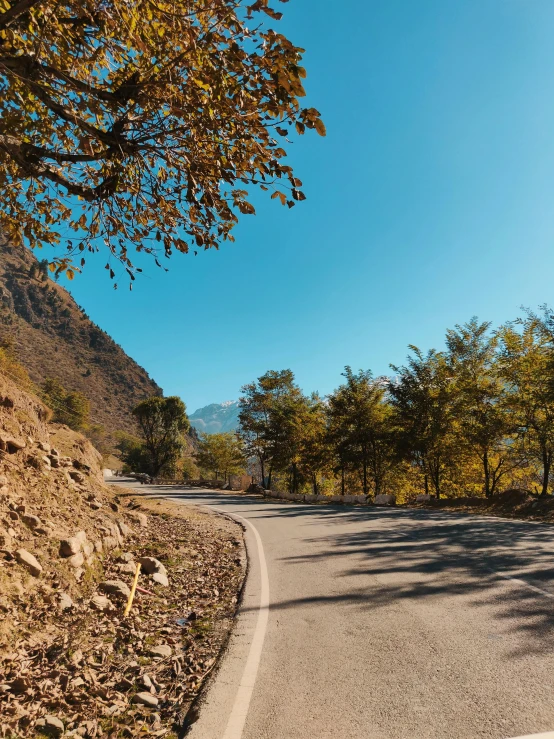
{"points": [[132, 593], [144, 591]]}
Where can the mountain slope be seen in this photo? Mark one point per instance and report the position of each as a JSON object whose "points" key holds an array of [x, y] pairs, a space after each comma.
{"points": [[216, 418], [55, 338]]}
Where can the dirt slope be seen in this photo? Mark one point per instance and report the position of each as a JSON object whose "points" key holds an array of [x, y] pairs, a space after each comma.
{"points": [[69, 548], [55, 338]]}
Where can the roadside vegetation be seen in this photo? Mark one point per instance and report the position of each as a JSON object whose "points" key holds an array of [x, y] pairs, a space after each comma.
{"points": [[472, 420], [220, 455]]}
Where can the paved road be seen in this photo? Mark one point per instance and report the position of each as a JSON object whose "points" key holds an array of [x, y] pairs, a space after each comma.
{"points": [[385, 624]]}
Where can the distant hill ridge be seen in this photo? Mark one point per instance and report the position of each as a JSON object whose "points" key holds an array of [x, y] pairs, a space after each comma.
{"points": [[55, 338], [216, 418]]}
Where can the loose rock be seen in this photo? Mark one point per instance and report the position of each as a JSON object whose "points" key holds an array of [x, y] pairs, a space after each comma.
{"points": [[77, 560], [146, 681], [139, 518], [161, 579], [146, 699], [6, 539], [81, 536], [31, 521], [128, 567], [26, 559], [151, 565], [124, 529], [162, 650], [65, 603], [100, 602], [50, 725], [69, 547], [115, 587]]}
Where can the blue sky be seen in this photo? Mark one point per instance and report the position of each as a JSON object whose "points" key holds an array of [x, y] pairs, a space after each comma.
{"points": [[430, 200]]}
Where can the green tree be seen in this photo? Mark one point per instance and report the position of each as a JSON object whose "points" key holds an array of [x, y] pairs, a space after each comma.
{"points": [[259, 427], [10, 364], [220, 453], [70, 408], [96, 433], [485, 423], [287, 434], [315, 455], [423, 396], [526, 362], [162, 422], [132, 452], [143, 122], [359, 425]]}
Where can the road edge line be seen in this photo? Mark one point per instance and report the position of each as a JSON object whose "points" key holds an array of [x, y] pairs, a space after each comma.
{"points": [[241, 704]]}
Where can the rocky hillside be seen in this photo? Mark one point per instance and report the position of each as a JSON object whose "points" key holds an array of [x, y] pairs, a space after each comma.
{"points": [[71, 663], [55, 338], [216, 418]]}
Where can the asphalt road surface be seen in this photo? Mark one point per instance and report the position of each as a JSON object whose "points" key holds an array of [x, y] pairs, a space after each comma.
{"points": [[384, 624]]}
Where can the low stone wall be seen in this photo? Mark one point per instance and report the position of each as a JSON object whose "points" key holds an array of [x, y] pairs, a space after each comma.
{"points": [[387, 500], [328, 499]]}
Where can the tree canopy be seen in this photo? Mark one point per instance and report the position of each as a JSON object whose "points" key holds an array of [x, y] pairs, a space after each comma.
{"points": [[71, 408], [220, 454], [162, 422], [472, 419], [143, 123]]}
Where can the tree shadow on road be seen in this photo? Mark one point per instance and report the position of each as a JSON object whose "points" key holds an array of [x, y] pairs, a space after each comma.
{"points": [[420, 555], [404, 554]]}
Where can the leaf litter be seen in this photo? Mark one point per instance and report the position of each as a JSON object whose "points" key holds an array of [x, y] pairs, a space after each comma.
{"points": [[98, 673]]}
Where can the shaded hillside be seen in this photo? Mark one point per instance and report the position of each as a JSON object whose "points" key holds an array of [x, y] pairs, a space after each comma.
{"points": [[216, 417], [55, 338]]}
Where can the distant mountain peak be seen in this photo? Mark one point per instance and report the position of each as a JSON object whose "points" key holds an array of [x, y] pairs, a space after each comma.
{"points": [[216, 418]]}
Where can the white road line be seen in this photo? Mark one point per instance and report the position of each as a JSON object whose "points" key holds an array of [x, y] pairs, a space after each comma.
{"points": [[525, 585], [239, 712]]}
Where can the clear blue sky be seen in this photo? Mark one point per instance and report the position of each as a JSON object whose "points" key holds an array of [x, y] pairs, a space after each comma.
{"points": [[430, 200]]}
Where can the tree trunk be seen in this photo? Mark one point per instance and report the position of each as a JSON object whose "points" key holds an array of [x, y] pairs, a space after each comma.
{"points": [[342, 481], [262, 469], [365, 478], [546, 465], [435, 477], [314, 484], [378, 484], [496, 476], [486, 470]]}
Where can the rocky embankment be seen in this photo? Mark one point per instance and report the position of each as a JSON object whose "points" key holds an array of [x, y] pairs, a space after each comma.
{"points": [[70, 664]]}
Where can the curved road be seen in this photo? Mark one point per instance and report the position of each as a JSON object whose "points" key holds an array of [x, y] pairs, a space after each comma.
{"points": [[384, 624]]}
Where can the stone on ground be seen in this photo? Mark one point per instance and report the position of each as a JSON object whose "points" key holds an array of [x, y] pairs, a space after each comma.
{"points": [[146, 699], [26, 559], [162, 650], [69, 547], [115, 587]]}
